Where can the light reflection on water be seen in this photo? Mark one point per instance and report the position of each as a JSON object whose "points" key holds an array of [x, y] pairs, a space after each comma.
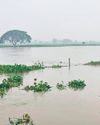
{"points": [[54, 107]]}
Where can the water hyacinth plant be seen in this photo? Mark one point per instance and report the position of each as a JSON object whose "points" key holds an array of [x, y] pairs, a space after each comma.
{"points": [[39, 86], [77, 84], [10, 82], [15, 81]]}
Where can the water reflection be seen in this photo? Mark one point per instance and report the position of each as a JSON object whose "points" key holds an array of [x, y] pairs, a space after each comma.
{"points": [[77, 88]]}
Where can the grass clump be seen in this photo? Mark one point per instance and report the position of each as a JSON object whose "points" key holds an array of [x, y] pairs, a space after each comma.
{"points": [[61, 86], [39, 86], [77, 84], [56, 66], [24, 120]]}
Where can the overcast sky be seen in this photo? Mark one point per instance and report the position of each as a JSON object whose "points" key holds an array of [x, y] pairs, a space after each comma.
{"points": [[47, 19]]}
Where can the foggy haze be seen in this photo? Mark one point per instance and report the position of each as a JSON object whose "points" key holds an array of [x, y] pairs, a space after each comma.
{"points": [[47, 19]]}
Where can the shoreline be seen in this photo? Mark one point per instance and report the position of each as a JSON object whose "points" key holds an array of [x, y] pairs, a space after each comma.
{"points": [[50, 45]]}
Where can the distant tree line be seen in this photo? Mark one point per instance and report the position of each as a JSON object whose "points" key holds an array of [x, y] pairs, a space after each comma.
{"points": [[18, 37]]}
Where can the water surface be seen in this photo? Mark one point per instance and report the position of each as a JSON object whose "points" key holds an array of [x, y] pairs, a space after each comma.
{"points": [[67, 107]]}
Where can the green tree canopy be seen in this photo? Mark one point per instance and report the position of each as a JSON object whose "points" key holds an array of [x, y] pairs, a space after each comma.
{"points": [[15, 36]]}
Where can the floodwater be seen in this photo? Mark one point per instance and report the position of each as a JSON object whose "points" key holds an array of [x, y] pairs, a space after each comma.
{"points": [[66, 107]]}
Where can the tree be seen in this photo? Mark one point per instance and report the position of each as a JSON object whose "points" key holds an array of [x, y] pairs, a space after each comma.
{"points": [[15, 36], [83, 43]]}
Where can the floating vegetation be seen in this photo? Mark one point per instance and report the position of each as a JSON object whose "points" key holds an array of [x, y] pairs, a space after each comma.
{"points": [[14, 68], [77, 84], [56, 66], [12, 81], [24, 120], [39, 86], [95, 63], [61, 86], [19, 68]]}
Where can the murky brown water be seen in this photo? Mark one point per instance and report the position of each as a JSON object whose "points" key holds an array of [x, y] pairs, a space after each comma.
{"points": [[67, 107]]}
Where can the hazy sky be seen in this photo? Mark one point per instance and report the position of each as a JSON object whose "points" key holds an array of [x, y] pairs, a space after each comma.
{"points": [[47, 19]]}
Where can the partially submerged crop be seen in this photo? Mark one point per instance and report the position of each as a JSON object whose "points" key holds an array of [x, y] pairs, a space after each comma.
{"points": [[24, 120], [38, 86], [77, 84]]}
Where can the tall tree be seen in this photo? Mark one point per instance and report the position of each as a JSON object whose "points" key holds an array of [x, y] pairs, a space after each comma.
{"points": [[15, 36]]}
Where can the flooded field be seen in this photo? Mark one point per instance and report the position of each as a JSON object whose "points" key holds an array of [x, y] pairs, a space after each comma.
{"points": [[55, 107]]}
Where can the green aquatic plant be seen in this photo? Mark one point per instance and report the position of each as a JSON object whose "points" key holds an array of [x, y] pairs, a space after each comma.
{"points": [[41, 87], [61, 86], [77, 84], [10, 82], [15, 81], [38, 86]]}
